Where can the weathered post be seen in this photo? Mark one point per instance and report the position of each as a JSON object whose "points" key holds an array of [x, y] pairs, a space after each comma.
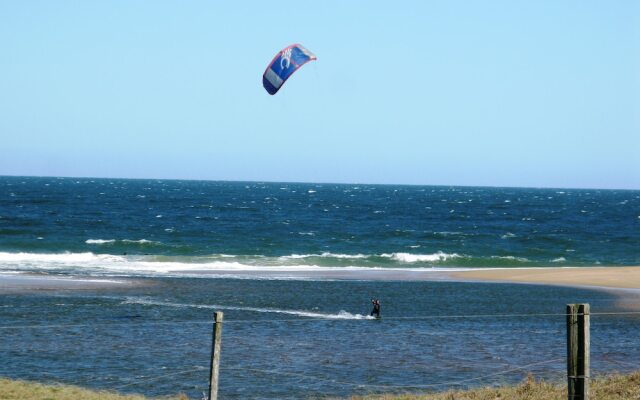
{"points": [[578, 351], [215, 355]]}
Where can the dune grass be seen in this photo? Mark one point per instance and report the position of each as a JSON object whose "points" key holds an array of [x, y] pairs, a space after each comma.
{"points": [[21, 390], [614, 387]]}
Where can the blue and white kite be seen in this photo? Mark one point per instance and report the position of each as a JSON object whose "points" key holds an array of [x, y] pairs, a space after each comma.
{"points": [[283, 65]]}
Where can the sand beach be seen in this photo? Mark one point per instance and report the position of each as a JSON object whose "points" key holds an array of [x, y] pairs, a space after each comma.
{"points": [[604, 277], [594, 277]]}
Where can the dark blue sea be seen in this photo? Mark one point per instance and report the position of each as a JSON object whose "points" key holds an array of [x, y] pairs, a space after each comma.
{"points": [[197, 247]]}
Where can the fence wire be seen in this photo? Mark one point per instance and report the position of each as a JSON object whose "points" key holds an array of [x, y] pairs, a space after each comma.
{"points": [[326, 379], [313, 319]]}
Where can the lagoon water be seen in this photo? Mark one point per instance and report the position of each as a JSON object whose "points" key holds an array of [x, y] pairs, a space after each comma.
{"points": [[301, 338]]}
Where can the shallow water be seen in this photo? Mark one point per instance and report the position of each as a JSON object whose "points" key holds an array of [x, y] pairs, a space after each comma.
{"points": [[300, 339]]}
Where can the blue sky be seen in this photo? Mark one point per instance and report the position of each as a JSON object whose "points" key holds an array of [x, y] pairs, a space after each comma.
{"points": [[492, 93]]}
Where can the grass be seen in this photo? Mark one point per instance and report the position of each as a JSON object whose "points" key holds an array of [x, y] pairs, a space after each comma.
{"points": [[21, 390], [615, 387]]}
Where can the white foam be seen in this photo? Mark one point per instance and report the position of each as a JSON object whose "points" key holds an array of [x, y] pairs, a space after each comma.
{"points": [[446, 233], [559, 260], [136, 265], [109, 241], [512, 258], [412, 258], [141, 241], [99, 241], [53, 258], [324, 255]]}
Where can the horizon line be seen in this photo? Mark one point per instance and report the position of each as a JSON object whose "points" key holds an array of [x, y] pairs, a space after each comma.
{"points": [[316, 183]]}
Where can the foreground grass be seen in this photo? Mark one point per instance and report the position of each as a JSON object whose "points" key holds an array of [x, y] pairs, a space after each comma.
{"points": [[21, 390], [616, 387]]}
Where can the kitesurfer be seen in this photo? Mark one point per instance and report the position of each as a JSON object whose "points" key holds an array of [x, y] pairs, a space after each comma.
{"points": [[376, 308]]}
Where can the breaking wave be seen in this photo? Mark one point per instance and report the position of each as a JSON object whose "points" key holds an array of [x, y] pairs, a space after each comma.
{"points": [[188, 265], [413, 258]]}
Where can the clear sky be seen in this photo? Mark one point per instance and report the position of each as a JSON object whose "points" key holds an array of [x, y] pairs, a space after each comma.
{"points": [[492, 93]]}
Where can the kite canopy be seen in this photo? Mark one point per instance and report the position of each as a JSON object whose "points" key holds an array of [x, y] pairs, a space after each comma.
{"points": [[283, 65]]}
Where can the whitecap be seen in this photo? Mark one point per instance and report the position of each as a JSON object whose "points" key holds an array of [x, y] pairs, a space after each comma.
{"points": [[559, 260], [141, 241], [512, 258], [324, 255], [412, 258], [99, 241], [447, 233]]}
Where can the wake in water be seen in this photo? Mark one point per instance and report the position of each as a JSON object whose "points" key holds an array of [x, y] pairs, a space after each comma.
{"points": [[299, 313]]}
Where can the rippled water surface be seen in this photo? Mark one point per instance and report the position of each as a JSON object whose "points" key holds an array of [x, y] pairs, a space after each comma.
{"points": [[298, 339], [301, 338], [154, 227]]}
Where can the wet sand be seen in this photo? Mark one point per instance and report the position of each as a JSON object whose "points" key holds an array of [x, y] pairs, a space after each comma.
{"points": [[368, 274], [603, 277], [26, 283]]}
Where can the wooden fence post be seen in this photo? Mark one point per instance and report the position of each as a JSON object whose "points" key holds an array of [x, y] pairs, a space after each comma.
{"points": [[215, 355], [578, 351]]}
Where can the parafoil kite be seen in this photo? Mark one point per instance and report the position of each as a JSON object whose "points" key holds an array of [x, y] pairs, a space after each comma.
{"points": [[283, 65]]}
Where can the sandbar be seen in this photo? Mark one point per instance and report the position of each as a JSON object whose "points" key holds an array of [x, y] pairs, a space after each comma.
{"points": [[20, 283], [365, 274], [603, 277]]}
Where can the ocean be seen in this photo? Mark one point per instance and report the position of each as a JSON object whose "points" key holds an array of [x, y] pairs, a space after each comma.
{"points": [[292, 336]]}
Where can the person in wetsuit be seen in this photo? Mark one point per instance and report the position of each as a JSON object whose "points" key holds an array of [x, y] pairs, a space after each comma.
{"points": [[376, 308]]}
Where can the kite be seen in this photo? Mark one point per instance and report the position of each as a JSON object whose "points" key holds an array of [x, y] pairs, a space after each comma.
{"points": [[283, 65]]}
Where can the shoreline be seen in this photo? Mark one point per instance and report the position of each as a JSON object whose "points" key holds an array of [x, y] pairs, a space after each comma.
{"points": [[627, 278]]}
